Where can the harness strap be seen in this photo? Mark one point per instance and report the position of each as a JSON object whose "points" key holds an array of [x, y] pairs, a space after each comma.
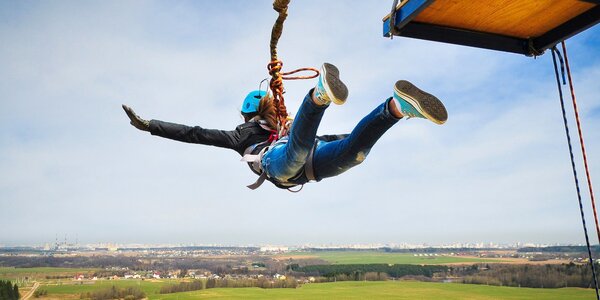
{"points": [[255, 162], [309, 170], [261, 179], [255, 159]]}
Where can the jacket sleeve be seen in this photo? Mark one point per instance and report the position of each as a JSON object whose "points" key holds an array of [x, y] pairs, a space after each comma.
{"points": [[196, 134]]}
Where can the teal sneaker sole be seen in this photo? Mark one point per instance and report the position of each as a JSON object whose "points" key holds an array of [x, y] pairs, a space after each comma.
{"points": [[428, 105], [336, 90]]}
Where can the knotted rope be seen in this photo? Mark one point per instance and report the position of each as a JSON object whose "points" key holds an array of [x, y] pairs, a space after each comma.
{"points": [[274, 67]]}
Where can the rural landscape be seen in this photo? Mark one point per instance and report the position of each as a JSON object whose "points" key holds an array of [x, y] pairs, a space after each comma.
{"points": [[217, 272]]}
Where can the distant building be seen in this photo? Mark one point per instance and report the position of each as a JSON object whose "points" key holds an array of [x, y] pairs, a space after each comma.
{"points": [[273, 249], [279, 277]]}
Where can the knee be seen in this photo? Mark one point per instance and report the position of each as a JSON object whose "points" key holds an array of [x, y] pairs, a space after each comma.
{"points": [[353, 161], [360, 157]]}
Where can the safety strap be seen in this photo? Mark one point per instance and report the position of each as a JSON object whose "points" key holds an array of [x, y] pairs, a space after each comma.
{"points": [[309, 170], [255, 161], [261, 179]]}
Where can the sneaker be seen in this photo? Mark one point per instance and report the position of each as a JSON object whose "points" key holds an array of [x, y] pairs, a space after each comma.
{"points": [[415, 103], [329, 87]]}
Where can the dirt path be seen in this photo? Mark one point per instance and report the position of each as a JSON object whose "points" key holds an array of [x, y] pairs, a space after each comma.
{"points": [[30, 293]]}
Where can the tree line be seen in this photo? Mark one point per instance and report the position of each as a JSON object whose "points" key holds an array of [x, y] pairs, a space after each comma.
{"points": [[355, 276], [535, 276], [211, 283], [8, 291], [562, 249], [136, 263], [128, 293], [358, 269]]}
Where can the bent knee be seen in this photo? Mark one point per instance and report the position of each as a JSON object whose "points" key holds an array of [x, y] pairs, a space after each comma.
{"points": [[353, 161], [360, 157]]}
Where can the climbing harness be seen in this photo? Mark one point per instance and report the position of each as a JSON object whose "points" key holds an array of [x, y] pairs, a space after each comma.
{"points": [[255, 163], [556, 53]]}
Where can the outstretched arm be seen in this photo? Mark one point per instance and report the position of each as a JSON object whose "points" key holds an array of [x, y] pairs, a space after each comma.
{"points": [[187, 134], [196, 134]]}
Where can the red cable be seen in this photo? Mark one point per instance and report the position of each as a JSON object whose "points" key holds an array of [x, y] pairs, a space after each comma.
{"points": [[587, 171]]}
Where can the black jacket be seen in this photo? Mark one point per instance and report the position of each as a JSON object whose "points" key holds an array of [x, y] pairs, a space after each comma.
{"points": [[244, 135]]}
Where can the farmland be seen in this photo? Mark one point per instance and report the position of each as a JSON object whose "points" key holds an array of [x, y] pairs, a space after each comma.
{"points": [[346, 273], [41, 273], [341, 290]]}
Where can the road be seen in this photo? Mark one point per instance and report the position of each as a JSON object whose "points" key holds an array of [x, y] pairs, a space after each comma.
{"points": [[30, 293]]}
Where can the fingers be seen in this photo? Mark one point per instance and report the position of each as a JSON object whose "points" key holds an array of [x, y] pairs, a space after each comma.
{"points": [[130, 113], [135, 120], [127, 109]]}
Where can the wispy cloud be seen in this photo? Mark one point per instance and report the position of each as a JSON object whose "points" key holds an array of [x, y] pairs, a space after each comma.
{"points": [[71, 164]]}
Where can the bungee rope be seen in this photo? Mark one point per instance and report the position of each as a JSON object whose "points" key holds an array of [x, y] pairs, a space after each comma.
{"points": [[555, 53], [581, 143], [274, 67]]}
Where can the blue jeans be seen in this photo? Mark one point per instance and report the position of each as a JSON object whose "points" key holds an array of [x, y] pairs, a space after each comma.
{"points": [[285, 162]]}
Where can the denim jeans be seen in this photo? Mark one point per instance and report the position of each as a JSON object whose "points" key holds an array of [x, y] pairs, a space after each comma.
{"points": [[285, 162]]}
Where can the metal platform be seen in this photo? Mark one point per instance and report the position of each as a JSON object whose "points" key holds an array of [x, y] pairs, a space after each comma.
{"points": [[526, 27]]}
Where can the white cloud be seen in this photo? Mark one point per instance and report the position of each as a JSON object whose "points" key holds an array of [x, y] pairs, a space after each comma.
{"points": [[70, 163]]}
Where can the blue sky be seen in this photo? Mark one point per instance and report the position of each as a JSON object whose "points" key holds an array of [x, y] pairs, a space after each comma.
{"points": [[70, 164]]}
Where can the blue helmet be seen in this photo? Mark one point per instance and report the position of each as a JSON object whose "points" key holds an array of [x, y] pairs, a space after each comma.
{"points": [[252, 101]]}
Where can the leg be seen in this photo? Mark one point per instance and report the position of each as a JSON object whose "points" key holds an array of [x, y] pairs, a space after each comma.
{"points": [[285, 161], [336, 157]]}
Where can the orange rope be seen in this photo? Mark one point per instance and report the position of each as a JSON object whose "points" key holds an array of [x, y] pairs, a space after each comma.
{"points": [[275, 66], [585, 163]]}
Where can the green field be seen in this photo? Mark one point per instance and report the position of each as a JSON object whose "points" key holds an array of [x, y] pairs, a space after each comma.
{"points": [[40, 273], [149, 287], [379, 257], [346, 290]]}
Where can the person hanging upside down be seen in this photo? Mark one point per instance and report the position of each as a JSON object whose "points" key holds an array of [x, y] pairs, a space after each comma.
{"points": [[303, 156]]}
